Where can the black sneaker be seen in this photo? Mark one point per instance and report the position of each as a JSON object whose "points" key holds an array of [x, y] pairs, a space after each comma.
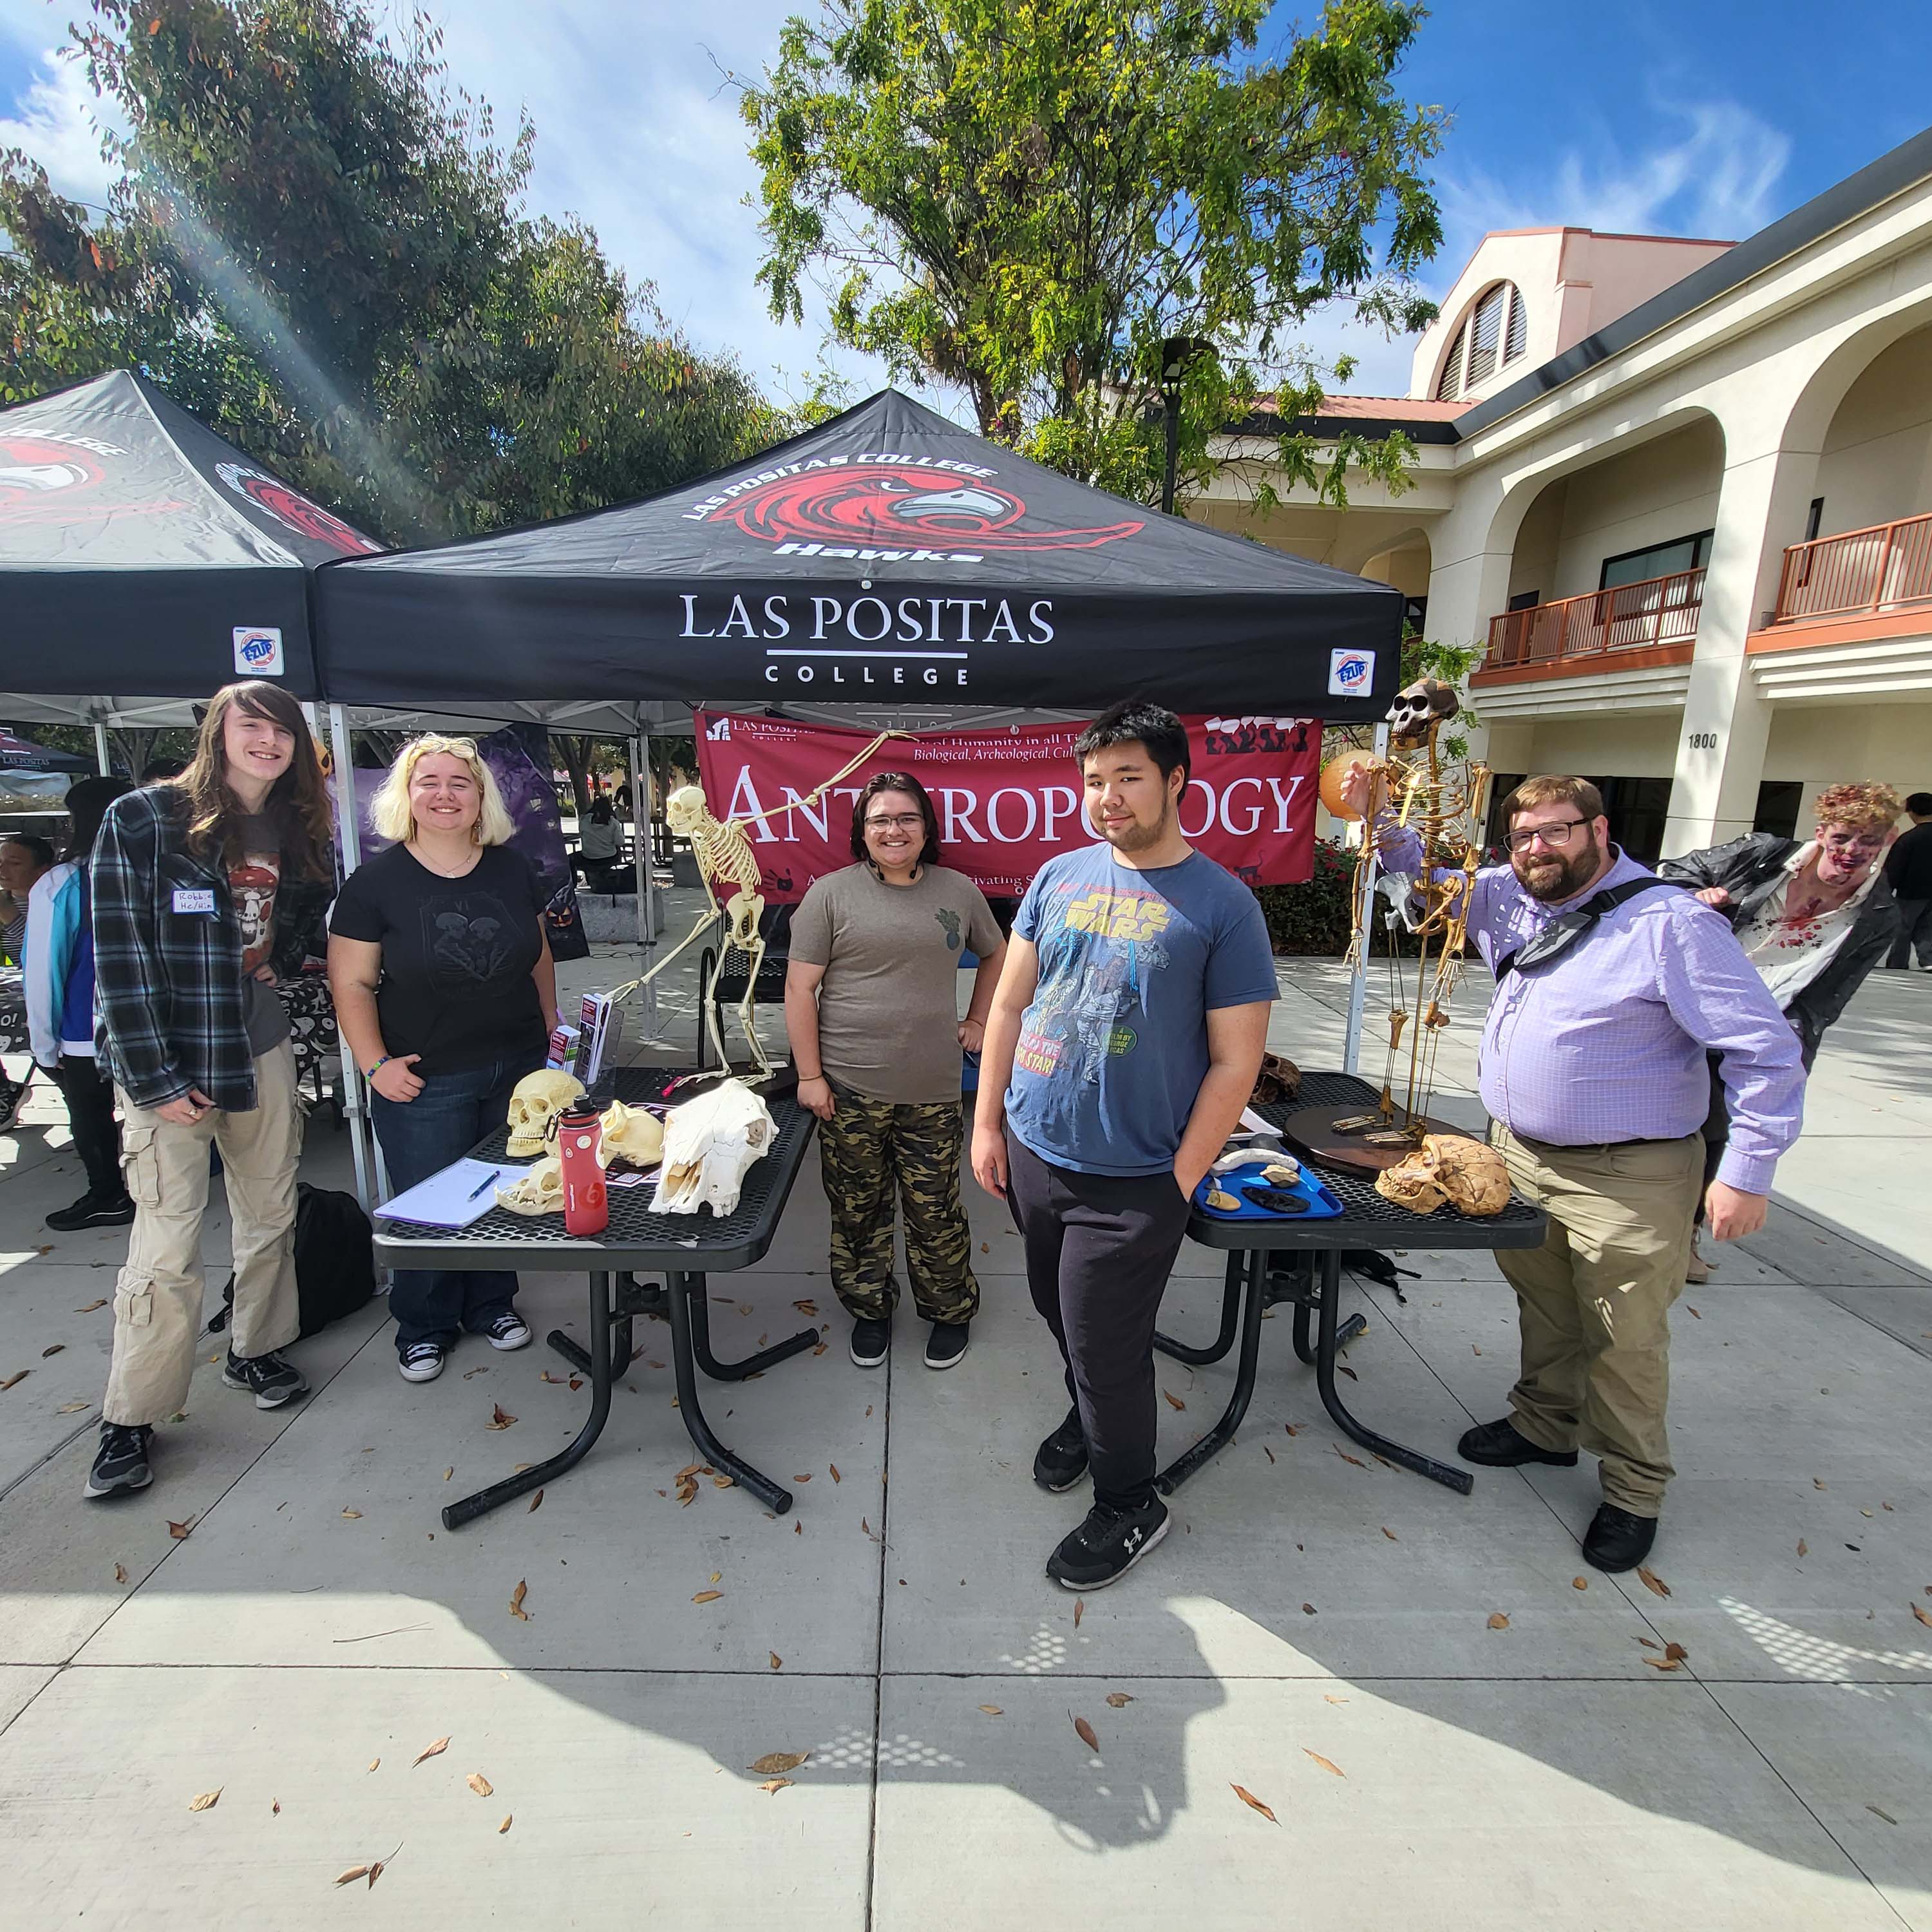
{"points": [[1498, 1445], [92, 1210], [1107, 1545], [121, 1462], [947, 1344], [509, 1329], [272, 1380], [420, 1361], [1060, 1461], [872, 1341]]}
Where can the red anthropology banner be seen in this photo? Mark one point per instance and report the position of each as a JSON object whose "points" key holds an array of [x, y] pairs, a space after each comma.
{"points": [[1008, 800]]}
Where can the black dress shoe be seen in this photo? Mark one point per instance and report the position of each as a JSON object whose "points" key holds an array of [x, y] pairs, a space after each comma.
{"points": [[1618, 1541], [1499, 1445]]}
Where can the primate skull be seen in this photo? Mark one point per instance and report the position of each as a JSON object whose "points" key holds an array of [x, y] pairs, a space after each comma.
{"points": [[1416, 706], [536, 1100], [1470, 1176], [539, 1192], [708, 1142], [632, 1134], [685, 810]]}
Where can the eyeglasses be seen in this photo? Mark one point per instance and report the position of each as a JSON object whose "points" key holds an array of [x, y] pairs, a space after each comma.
{"points": [[1557, 834], [904, 821]]}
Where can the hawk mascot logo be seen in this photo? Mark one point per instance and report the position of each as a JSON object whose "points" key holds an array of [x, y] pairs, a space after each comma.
{"points": [[293, 511]]}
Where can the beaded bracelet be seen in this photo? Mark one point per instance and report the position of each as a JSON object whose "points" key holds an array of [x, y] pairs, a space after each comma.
{"points": [[372, 1073]]}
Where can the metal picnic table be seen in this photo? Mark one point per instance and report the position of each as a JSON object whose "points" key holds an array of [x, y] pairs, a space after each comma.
{"points": [[683, 1248], [1314, 1287]]}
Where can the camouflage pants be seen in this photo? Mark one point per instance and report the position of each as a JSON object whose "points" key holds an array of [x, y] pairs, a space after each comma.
{"points": [[865, 1146]]}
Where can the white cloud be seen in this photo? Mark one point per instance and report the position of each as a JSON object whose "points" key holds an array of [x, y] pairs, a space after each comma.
{"points": [[55, 120]]}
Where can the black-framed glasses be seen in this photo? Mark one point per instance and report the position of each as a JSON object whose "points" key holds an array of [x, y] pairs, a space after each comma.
{"points": [[904, 821], [1556, 835]]}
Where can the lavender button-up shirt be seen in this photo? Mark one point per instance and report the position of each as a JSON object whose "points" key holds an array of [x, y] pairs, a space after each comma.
{"points": [[1608, 1041]]}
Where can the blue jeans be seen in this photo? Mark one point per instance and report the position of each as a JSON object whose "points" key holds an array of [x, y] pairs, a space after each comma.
{"points": [[452, 1114]]}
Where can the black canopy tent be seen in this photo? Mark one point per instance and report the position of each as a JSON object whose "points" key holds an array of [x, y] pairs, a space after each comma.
{"points": [[887, 556], [142, 555]]}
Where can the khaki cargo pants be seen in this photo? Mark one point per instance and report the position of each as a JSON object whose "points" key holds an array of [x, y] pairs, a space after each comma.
{"points": [[1594, 1301], [157, 1301], [863, 1150]]}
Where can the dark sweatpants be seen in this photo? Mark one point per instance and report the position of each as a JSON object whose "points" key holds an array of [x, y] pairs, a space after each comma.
{"points": [[1099, 1248]]}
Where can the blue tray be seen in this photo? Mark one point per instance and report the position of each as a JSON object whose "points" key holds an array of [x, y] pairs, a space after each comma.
{"points": [[1322, 1205]]}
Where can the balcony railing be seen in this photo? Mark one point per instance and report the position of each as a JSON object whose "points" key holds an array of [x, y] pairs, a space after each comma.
{"points": [[1658, 611], [1875, 569]]}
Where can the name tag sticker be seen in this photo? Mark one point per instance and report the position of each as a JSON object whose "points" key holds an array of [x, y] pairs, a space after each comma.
{"points": [[195, 898]]}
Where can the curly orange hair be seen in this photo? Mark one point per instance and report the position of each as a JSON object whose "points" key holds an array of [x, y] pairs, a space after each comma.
{"points": [[1857, 805]]}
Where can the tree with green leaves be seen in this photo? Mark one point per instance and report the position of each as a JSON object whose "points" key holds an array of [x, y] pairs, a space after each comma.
{"points": [[321, 250], [1060, 205]]}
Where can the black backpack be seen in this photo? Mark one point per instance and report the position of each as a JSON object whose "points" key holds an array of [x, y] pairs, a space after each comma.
{"points": [[335, 1264]]}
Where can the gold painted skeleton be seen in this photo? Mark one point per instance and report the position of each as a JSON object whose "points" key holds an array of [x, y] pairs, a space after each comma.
{"points": [[1445, 805]]}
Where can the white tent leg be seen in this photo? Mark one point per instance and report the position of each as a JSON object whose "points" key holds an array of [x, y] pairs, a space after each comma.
{"points": [[100, 757], [1358, 983]]}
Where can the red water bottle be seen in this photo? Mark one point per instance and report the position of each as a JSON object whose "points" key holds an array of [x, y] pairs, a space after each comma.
{"points": [[580, 1142]]}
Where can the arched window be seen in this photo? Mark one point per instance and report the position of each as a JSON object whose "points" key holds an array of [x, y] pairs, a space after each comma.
{"points": [[1494, 334]]}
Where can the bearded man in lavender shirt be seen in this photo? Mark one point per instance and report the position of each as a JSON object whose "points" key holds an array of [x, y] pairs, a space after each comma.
{"points": [[1593, 1067]]}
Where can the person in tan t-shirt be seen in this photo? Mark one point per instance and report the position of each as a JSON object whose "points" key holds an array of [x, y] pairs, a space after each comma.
{"points": [[871, 1009]]}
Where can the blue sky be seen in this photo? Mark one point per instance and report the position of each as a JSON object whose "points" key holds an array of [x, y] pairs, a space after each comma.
{"points": [[1711, 117]]}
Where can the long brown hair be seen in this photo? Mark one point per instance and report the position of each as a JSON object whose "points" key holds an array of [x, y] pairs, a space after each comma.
{"points": [[298, 802]]}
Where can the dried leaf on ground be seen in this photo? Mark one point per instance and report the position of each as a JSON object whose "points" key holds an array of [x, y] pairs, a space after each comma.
{"points": [[1579, 1582], [1329, 1697], [547, 1377], [1335, 1770], [1347, 1458], [724, 1482], [178, 1531], [707, 1596], [354, 1516], [353, 1874], [1878, 1811], [1268, 1452], [75, 1408], [1664, 1662], [1919, 1611], [20, 1375], [805, 1478], [435, 1750], [1648, 1643], [449, 1472], [498, 1420], [373, 1761], [1675, 1652], [375, 1872], [276, 1807], [478, 1783], [55, 1350], [1817, 1482], [536, 1503], [506, 1824], [778, 1662], [1390, 1534], [772, 1762], [806, 1307], [821, 1348], [1348, 1372], [716, 1576], [1498, 1621], [517, 1610], [206, 1802], [1174, 1400], [1079, 1610], [1690, 1310], [1119, 1699], [91, 1307], [1651, 1582], [1308, 1610], [1294, 1429], [1803, 1548], [833, 1467], [775, 1785], [992, 1710], [1253, 1803], [120, 1574], [1086, 1730]]}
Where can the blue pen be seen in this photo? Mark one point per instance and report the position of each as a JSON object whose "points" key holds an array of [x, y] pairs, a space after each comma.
{"points": [[488, 1180]]}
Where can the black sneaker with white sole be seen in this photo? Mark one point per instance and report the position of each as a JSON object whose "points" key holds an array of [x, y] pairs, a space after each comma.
{"points": [[1060, 1461], [947, 1344], [872, 1341], [272, 1380], [1107, 1545], [92, 1210], [121, 1462], [420, 1361], [509, 1331]]}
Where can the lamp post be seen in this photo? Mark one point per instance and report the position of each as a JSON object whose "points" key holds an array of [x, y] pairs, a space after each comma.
{"points": [[1177, 354]]}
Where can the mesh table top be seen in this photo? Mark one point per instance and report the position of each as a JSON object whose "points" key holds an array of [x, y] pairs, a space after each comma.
{"points": [[637, 1239], [1366, 1221]]}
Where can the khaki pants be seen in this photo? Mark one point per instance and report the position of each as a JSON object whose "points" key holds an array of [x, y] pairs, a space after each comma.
{"points": [[157, 1301], [1593, 1302]]}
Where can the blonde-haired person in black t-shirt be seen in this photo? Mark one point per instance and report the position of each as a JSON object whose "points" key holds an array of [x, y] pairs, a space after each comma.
{"points": [[872, 1010], [445, 993]]}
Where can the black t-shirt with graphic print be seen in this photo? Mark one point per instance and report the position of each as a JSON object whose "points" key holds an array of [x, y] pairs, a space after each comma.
{"points": [[457, 954]]}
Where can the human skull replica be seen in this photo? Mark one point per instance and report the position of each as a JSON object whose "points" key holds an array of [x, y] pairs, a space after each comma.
{"points": [[685, 810], [708, 1142], [1466, 1174], [632, 1134], [537, 1100], [1425, 702], [539, 1192]]}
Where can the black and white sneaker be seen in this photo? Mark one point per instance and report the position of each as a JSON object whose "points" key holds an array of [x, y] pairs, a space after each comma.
{"points": [[1107, 1545], [509, 1331], [92, 1210], [1060, 1461], [420, 1361], [872, 1341], [947, 1344], [272, 1380], [121, 1462], [11, 1097]]}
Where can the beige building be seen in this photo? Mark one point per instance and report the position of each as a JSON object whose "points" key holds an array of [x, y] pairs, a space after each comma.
{"points": [[1681, 493]]}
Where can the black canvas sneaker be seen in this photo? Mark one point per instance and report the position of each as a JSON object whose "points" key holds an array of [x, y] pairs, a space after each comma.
{"points": [[947, 1344], [509, 1331], [121, 1462], [421, 1361], [1107, 1545], [871, 1342], [1060, 1461], [92, 1210], [272, 1380]]}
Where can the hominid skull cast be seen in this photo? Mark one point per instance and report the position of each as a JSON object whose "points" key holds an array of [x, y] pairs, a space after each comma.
{"points": [[1470, 1176], [1427, 701], [537, 1100]]}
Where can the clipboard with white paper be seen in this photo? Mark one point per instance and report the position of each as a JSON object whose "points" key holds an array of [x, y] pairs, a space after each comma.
{"points": [[454, 1196]]}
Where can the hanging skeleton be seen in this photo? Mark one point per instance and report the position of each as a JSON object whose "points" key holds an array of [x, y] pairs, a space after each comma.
{"points": [[1445, 807]]}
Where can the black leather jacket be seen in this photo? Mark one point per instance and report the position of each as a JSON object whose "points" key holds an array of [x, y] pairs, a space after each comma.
{"points": [[1751, 869]]}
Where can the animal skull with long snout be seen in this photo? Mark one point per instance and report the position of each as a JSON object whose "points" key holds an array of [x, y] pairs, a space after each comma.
{"points": [[708, 1142]]}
